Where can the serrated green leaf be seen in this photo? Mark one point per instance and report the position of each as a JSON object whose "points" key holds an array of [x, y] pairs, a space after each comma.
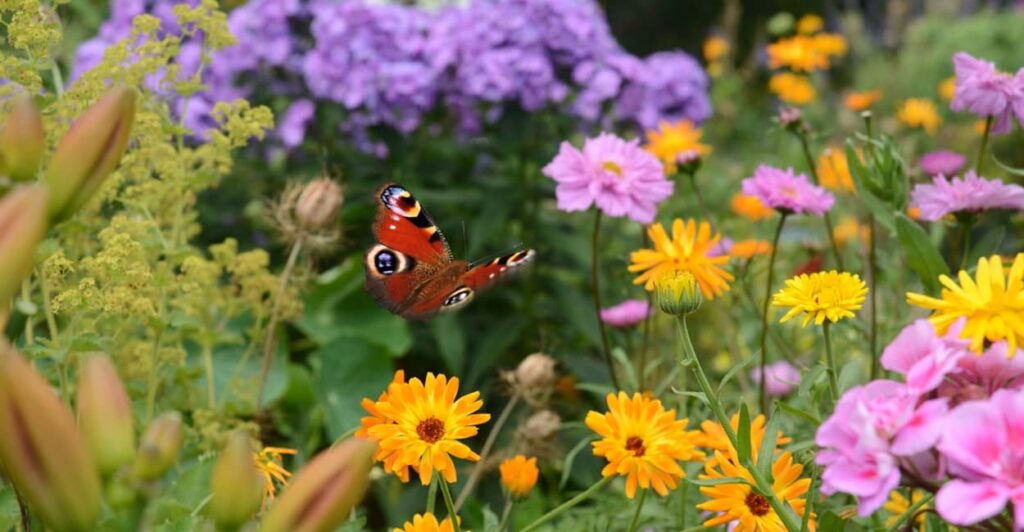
{"points": [[922, 256]]}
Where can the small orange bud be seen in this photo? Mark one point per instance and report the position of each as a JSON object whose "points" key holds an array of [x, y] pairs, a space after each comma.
{"points": [[318, 204], [236, 484], [22, 141], [89, 151], [519, 475], [22, 227], [105, 414], [158, 451]]}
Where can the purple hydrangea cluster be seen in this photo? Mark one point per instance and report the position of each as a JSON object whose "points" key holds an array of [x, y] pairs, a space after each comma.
{"points": [[389, 65]]}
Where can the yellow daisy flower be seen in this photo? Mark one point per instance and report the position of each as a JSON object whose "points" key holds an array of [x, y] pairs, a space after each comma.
{"points": [[828, 295], [897, 505], [992, 304], [741, 504], [377, 418], [792, 88], [834, 170], [686, 251], [428, 422], [712, 436], [750, 207], [519, 475], [799, 53], [919, 113], [643, 442], [270, 462], [809, 24], [862, 101], [672, 139], [426, 523], [947, 88]]}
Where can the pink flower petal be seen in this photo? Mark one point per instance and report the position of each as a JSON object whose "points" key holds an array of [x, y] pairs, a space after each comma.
{"points": [[966, 503]]}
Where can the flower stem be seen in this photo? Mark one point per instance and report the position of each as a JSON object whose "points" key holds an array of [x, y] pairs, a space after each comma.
{"points": [[595, 283], [478, 469], [873, 272], [833, 376], [450, 506], [432, 495], [26, 294], [567, 504], [639, 506], [984, 145], [275, 309], [762, 389], [828, 219], [154, 376], [211, 388], [700, 202], [505, 514]]}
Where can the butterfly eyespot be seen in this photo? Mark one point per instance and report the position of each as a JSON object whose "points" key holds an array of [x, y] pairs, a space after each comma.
{"points": [[400, 201], [459, 297], [382, 261]]}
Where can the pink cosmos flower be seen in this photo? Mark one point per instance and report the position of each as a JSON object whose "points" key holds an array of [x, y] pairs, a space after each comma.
{"points": [[984, 91], [924, 358], [627, 313], [782, 378], [941, 162], [617, 175], [787, 192], [983, 443], [973, 194]]}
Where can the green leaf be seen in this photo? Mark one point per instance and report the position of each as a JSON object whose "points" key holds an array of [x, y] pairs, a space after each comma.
{"points": [[350, 369], [717, 481], [1007, 168], [571, 457], [922, 256], [732, 372], [766, 452], [491, 521], [988, 245], [451, 341], [743, 436], [490, 347], [802, 414], [630, 372], [10, 513], [859, 174]]}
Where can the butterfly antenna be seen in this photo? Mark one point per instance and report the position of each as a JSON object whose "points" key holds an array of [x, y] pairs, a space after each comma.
{"points": [[465, 238], [492, 256]]}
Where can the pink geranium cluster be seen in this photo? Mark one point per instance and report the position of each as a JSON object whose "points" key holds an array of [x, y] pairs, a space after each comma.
{"points": [[986, 92], [954, 422]]}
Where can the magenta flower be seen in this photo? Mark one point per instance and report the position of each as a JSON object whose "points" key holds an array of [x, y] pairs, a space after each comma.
{"points": [[787, 192], [984, 91], [923, 358], [983, 443], [980, 376], [782, 378], [617, 175], [972, 193], [941, 162], [627, 313]]}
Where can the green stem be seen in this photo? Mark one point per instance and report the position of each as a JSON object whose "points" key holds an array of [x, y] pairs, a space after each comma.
{"points": [[567, 504], [828, 219], [639, 506], [984, 145], [51, 320], [58, 79], [762, 388], [275, 309], [154, 381], [211, 397], [873, 271], [432, 495], [700, 201], [833, 376], [450, 506], [966, 222], [506, 513], [809, 505], [595, 282], [478, 469], [26, 294]]}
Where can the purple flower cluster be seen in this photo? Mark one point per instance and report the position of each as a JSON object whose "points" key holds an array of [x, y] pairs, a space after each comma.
{"points": [[391, 66]]}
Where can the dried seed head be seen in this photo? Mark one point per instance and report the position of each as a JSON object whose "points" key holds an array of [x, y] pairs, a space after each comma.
{"points": [[541, 426], [534, 379], [318, 204]]}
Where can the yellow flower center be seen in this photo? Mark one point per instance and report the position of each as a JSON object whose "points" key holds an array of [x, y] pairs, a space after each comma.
{"points": [[430, 430], [612, 167], [758, 504], [635, 445]]}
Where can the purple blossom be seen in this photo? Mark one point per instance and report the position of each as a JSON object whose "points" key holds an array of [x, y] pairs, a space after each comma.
{"points": [[625, 314], [941, 162], [986, 92], [970, 194], [786, 191], [292, 128]]}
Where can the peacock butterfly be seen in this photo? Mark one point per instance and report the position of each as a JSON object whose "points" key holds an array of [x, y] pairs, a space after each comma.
{"points": [[410, 271]]}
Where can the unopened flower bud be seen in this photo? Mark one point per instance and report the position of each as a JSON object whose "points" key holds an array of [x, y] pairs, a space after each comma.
{"points": [[236, 484], [42, 451], [318, 204], [324, 492], [678, 293], [158, 451], [89, 151], [105, 415], [22, 227], [689, 162], [791, 118], [22, 141], [541, 426]]}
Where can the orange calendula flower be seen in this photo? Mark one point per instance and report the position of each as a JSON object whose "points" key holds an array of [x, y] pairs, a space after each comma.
{"points": [[715, 48], [849, 230], [270, 462], [671, 140], [792, 88], [747, 249], [427, 424], [712, 436], [919, 113], [834, 170], [799, 53], [809, 24], [862, 101], [991, 304], [821, 296], [830, 44], [426, 523], [914, 213], [643, 442], [947, 88], [686, 251], [750, 207], [377, 418], [740, 504], [519, 475]]}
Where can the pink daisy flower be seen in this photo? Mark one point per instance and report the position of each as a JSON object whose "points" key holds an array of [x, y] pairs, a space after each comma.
{"points": [[941, 162], [782, 378], [617, 175], [627, 313], [787, 192], [984, 91], [970, 194]]}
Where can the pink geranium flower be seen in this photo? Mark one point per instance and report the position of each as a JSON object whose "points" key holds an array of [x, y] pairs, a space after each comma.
{"points": [[983, 443], [782, 378], [980, 376], [971, 194], [627, 313], [924, 358], [617, 175], [787, 192], [984, 91]]}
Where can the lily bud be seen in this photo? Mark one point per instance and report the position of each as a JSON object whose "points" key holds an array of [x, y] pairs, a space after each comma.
{"points": [[236, 484], [22, 141], [159, 448], [318, 204], [324, 492], [105, 415], [42, 451], [678, 293], [22, 227], [89, 151]]}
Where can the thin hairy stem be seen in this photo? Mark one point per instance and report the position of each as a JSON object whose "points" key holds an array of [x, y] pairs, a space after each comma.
{"points": [[478, 468], [762, 388], [595, 283]]}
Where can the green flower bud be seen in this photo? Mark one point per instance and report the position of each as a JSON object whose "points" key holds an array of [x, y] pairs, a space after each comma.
{"points": [[236, 484], [678, 293], [42, 451], [22, 141], [158, 451], [22, 227], [323, 493], [89, 151], [105, 415]]}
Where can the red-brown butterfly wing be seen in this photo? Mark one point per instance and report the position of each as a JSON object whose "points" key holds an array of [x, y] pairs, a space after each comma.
{"points": [[480, 276]]}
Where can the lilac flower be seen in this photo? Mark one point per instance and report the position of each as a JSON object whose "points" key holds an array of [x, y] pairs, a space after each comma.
{"points": [[986, 92], [941, 162], [671, 87], [292, 128], [722, 248], [782, 378], [627, 313], [787, 192], [971, 194]]}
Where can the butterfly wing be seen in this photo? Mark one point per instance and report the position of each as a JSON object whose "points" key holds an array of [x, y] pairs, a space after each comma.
{"points": [[483, 275]]}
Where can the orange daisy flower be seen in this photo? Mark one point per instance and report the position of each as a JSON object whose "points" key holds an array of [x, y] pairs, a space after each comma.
{"points": [[687, 251]]}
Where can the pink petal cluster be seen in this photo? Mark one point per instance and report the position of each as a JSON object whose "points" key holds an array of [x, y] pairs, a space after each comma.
{"points": [[627, 313], [787, 192], [972, 193], [616, 175], [783, 377], [922, 357], [722, 248], [983, 444], [941, 162], [984, 91]]}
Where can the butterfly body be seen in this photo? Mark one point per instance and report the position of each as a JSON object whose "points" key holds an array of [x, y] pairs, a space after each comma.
{"points": [[411, 271]]}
